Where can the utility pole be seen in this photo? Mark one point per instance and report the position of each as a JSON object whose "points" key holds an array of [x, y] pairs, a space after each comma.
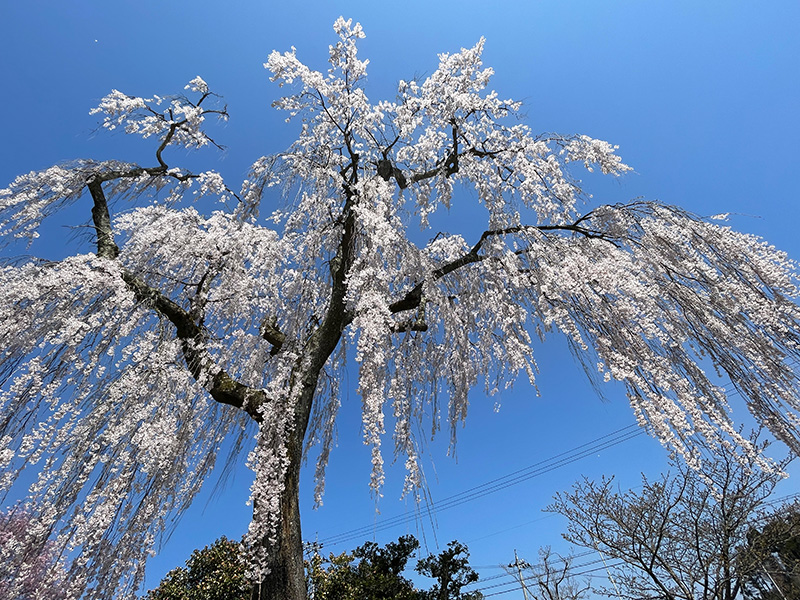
{"points": [[518, 566], [605, 564]]}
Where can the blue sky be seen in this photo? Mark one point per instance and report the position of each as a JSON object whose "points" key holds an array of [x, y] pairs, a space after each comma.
{"points": [[701, 97]]}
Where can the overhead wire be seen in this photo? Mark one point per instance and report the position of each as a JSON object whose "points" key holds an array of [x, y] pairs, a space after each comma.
{"points": [[516, 585], [536, 469]]}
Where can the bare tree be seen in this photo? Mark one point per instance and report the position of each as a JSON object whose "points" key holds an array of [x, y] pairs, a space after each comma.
{"points": [[683, 537], [551, 578]]}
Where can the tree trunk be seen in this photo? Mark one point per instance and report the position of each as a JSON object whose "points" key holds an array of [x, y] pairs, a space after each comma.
{"points": [[286, 580]]}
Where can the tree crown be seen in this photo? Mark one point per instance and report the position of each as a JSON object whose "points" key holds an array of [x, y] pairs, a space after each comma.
{"points": [[126, 369]]}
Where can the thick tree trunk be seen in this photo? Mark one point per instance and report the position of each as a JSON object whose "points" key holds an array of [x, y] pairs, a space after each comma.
{"points": [[286, 581]]}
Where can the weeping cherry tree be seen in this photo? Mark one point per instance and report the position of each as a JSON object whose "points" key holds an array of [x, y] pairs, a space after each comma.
{"points": [[180, 332]]}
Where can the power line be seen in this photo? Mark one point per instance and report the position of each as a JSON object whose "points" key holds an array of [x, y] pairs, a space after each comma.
{"points": [[539, 468], [575, 572], [542, 467]]}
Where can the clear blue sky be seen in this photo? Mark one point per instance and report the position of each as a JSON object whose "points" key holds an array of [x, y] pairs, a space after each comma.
{"points": [[701, 97]]}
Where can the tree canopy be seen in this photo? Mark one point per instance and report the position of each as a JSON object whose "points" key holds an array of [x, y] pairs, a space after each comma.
{"points": [[452, 572], [376, 572], [773, 546], [127, 368], [370, 571]]}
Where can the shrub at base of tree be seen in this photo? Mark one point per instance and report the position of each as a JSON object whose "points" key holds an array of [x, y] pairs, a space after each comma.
{"points": [[217, 572]]}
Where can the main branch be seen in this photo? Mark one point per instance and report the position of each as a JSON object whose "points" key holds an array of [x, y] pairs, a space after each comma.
{"points": [[413, 298], [219, 384]]}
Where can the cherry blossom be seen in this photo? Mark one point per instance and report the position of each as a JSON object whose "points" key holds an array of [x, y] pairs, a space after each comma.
{"points": [[125, 370]]}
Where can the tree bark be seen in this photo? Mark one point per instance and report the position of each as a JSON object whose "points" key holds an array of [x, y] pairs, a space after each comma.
{"points": [[286, 580]]}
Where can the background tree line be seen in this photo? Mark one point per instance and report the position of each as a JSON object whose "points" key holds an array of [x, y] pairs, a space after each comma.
{"points": [[217, 572]]}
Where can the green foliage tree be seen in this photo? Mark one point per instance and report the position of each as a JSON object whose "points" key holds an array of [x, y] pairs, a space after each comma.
{"points": [[331, 581], [452, 572], [370, 571], [775, 572], [216, 572], [376, 573]]}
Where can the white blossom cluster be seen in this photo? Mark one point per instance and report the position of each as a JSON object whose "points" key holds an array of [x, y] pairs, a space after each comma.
{"points": [[38, 194], [111, 363], [178, 117], [82, 412], [32, 197]]}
